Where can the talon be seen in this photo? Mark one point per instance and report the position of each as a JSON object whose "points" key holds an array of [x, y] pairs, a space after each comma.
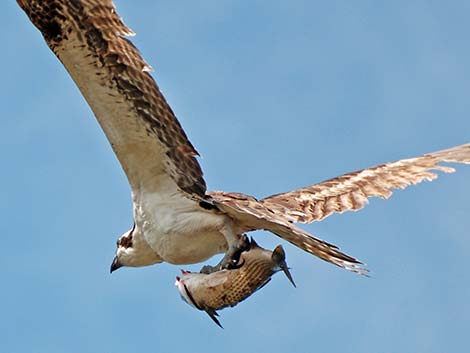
{"points": [[231, 259], [237, 266], [244, 244], [230, 264]]}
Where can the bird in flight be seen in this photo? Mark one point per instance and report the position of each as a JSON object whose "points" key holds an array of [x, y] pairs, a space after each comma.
{"points": [[176, 220]]}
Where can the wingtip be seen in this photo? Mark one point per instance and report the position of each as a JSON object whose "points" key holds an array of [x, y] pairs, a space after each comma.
{"points": [[358, 267]]}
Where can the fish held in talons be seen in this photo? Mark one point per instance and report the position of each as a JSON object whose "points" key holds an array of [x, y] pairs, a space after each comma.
{"points": [[227, 288], [231, 260]]}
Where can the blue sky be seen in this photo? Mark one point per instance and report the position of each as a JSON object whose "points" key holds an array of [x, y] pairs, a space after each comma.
{"points": [[274, 95]]}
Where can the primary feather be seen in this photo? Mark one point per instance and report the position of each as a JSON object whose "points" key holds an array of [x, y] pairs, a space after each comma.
{"points": [[176, 219]]}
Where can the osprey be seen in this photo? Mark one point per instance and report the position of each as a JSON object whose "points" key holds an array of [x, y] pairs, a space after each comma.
{"points": [[176, 219]]}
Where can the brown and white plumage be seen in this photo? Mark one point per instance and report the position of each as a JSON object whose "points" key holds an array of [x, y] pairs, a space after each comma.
{"points": [[350, 192], [89, 39], [176, 220]]}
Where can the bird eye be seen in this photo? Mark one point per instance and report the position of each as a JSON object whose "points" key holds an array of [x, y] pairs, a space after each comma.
{"points": [[117, 243]]}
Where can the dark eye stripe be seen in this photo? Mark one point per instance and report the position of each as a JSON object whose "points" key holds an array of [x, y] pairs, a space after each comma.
{"points": [[126, 241]]}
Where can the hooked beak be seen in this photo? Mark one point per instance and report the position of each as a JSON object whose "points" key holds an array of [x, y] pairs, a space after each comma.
{"points": [[115, 265]]}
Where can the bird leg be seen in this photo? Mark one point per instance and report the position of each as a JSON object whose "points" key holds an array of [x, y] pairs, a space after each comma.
{"points": [[231, 257]]}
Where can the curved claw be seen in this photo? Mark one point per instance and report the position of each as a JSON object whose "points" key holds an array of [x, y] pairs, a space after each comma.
{"points": [[232, 257]]}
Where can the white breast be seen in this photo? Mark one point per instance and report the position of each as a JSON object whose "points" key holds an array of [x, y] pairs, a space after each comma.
{"points": [[177, 228]]}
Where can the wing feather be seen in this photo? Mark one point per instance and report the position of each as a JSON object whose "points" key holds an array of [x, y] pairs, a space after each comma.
{"points": [[88, 37], [252, 214], [350, 192]]}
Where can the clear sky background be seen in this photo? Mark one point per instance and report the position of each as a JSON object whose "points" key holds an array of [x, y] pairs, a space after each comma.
{"points": [[275, 95]]}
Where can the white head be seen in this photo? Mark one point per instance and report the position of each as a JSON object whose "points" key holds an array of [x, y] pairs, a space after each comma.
{"points": [[133, 251]]}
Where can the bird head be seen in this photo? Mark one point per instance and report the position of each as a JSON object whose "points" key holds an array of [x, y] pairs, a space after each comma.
{"points": [[133, 251]]}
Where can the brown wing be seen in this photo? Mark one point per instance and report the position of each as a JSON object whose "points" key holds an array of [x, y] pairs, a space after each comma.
{"points": [[250, 214], [88, 37], [350, 191]]}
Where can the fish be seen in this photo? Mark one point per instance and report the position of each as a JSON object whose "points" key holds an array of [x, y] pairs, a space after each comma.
{"points": [[228, 287]]}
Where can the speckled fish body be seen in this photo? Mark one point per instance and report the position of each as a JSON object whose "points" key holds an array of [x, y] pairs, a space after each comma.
{"points": [[221, 289]]}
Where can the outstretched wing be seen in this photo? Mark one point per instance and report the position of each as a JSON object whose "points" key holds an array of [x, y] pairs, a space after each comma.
{"points": [[88, 37], [250, 214], [349, 192]]}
